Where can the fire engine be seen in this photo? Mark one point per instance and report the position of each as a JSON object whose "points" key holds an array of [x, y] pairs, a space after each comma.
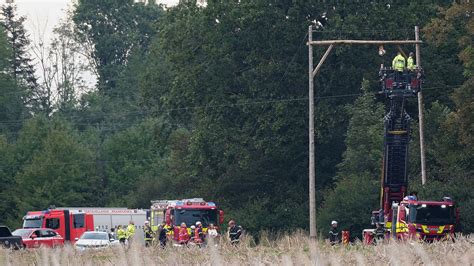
{"points": [[189, 211], [72, 222], [405, 216]]}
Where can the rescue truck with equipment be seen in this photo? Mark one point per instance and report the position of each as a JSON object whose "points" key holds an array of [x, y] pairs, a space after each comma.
{"points": [[72, 222], [405, 217], [189, 211]]}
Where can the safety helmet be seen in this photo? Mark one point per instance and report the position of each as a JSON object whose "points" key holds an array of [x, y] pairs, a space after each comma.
{"points": [[198, 223], [333, 222], [193, 227], [147, 222]]}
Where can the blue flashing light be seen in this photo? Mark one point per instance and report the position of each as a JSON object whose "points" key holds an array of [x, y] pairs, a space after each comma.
{"points": [[179, 203], [211, 204]]}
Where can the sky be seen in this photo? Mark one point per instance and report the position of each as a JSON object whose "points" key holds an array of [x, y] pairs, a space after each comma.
{"points": [[42, 16]]}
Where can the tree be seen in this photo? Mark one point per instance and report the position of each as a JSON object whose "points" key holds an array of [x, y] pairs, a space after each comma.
{"points": [[21, 64], [11, 104], [58, 169], [63, 66], [357, 188]]}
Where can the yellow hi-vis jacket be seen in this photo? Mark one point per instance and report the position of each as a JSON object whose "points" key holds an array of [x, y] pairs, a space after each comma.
{"points": [[121, 234], [130, 230], [411, 63], [398, 63]]}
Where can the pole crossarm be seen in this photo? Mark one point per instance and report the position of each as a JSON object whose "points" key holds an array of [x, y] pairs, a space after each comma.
{"points": [[375, 42]]}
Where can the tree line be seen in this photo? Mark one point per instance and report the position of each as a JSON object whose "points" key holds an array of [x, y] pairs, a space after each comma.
{"points": [[211, 102]]}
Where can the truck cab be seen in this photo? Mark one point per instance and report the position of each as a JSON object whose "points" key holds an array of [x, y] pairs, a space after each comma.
{"points": [[69, 225], [188, 211], [425, 220]]}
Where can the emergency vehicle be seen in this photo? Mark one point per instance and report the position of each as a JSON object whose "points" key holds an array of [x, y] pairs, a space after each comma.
{"points": [[405, 216], [189, 211], [72, 222]]}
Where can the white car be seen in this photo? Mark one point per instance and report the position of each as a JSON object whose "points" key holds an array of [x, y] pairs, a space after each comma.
{"points": [[95, 240]]}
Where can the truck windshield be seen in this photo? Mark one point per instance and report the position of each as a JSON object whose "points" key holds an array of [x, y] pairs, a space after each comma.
{"points": [[33, 222], [432, 214], [191, 216]]}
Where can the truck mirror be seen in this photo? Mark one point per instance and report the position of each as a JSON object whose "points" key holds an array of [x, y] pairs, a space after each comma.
{"points": [[76, 238], [221, 216]]}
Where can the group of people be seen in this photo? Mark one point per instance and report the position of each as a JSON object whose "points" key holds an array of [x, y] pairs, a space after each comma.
{"points": [[404, 67], [335, 235], [193, 235], [124, 233]]}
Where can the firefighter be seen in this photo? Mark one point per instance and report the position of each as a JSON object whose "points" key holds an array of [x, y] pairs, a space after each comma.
{"points": [[379, 232], [398, 64], [121, 234], [149, 234], [191, 231], [334, 237], [130, 232], [183, 236], [199, 234], [411, 62], [163, 234], [234, 232]]}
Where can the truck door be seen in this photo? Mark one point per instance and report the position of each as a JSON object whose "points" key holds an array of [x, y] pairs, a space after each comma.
{"points": [[78, 225], [56, 222]]}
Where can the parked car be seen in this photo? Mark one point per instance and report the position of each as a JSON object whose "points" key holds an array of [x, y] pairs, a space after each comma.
{"points": [[95, 240], [33, 238], [8, 240]]}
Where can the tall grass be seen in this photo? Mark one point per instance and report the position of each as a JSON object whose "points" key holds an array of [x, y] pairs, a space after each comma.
{"points": [[293, 249]]}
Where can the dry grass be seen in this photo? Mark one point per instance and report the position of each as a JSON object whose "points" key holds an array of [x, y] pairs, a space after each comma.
{"points": [[287, 250]]}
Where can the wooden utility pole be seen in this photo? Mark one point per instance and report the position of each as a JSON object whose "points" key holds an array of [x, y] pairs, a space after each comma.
{"points": [[312, 72], [420, 113], [312, 174]]}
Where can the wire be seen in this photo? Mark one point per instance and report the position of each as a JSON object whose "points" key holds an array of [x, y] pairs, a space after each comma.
{"points": [[261, 102]]}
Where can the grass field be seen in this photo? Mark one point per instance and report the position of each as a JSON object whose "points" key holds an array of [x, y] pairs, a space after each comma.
{"points": [[287, 250]]}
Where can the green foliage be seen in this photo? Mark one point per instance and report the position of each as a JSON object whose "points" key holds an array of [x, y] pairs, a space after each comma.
{"points": [[211, 102], [357, 188]]}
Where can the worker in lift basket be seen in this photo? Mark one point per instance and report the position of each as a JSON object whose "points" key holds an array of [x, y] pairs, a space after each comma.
{"points": [[398, 64], [334, 236]]}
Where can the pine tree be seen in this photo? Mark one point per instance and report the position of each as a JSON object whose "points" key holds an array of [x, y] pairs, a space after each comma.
{"points": [[21, 64]]}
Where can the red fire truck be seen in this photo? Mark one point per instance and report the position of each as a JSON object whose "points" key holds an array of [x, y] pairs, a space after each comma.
{"points": [[402, 215], [72, 222], [189, 211]]}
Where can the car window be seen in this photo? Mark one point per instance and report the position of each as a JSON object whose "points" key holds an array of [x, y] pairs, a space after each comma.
{"points": [[22, 232], [47, 233], [4, 232], [37, 233]]}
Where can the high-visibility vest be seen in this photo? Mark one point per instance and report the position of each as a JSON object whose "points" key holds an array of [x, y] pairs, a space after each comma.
{"points": [[411, 63], [121, 234], [398, 63], [131, 230]]}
